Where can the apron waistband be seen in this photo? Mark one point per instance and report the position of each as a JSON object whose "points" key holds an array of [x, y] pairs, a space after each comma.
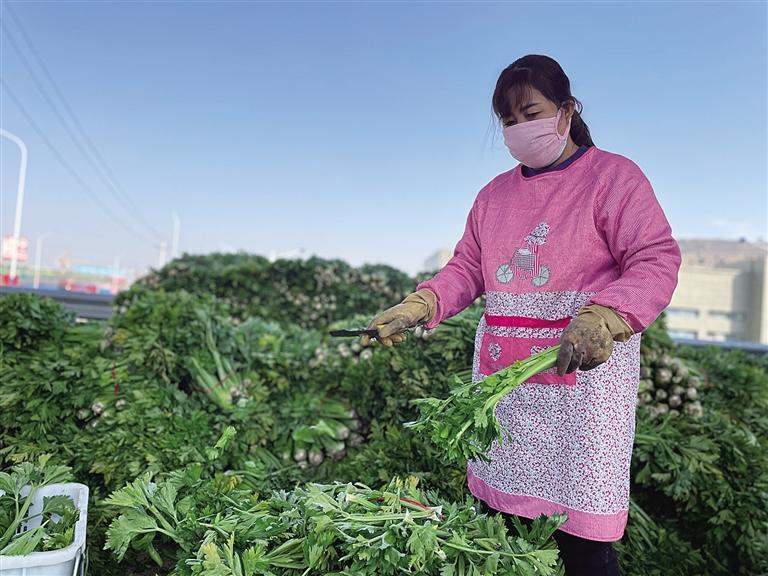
{"points": [[525, 322]]}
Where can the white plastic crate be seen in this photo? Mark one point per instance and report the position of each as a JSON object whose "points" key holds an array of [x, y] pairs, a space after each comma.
{"points": [[65, 561]]}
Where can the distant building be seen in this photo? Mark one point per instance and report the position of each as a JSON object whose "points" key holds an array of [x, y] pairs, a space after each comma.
{"points": [[722, 292], [438, 260]]}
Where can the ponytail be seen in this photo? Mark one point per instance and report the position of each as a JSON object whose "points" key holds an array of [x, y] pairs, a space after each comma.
{"points": [[579, 129]]}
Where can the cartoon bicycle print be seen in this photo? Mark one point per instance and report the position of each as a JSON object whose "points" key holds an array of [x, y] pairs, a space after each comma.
{"points": [[524, 263]]}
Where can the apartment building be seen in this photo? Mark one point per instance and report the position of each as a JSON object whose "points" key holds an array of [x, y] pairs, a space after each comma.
{"points": [[721, 293]]}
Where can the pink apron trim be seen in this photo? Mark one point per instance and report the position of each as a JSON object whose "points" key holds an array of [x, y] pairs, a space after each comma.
{"points": [[599, 527], [525, 322], [498, 352]]}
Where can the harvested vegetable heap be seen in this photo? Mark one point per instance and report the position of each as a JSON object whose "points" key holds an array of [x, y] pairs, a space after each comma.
{"points": [[464, 425], [150, 392], [222, 527]]}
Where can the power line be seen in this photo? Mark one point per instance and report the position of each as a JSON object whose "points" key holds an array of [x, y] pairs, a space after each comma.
{"points": [[43, 90], [87, 189], [99, 165]]}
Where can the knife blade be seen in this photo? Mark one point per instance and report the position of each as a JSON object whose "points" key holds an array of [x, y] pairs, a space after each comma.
{"points": [[373, 332]]}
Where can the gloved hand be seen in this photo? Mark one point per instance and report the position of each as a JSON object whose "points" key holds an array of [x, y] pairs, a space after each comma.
{"points": [[415, 308], [588, 340]]}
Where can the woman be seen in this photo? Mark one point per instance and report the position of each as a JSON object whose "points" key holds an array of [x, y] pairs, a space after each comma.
{"points": [[569, 247]]}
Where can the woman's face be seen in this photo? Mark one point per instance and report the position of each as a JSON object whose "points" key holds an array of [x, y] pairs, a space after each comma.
{"points": [[534, 106]]}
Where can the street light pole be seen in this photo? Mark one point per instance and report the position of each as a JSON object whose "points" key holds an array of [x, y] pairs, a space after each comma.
{"points": [[19, 199]]}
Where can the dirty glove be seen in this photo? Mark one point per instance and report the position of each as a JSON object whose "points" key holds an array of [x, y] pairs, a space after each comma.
{"points": [[415, 308], [588, 340]]}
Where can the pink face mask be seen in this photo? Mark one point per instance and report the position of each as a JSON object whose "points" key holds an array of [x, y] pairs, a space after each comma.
{"points": [[536, 143]]}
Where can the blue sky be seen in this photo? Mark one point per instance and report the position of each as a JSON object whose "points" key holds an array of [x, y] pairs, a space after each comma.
{"points": [[363, 131]]}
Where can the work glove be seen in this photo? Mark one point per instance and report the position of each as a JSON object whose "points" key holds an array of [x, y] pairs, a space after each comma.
{"points": [[415, 308], [588, 340]]}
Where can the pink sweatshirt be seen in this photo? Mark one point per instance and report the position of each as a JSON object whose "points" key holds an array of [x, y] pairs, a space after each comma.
{"points": [[542, 247]]}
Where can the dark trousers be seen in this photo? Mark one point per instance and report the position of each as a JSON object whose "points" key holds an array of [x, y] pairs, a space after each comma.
{"points": [[584, 557], [581, 557]]}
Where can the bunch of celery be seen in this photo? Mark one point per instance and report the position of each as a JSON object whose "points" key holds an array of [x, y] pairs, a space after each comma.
{"points": [[58, 516], [463, 425]]}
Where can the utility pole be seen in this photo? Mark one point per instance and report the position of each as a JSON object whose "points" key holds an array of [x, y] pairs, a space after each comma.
{"points": [[162, 258], [19, 199], [175, 240], [38, 255], [115, 272]]}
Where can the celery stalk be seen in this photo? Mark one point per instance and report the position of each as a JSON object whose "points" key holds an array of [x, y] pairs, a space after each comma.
{"points": [[464, 425]]}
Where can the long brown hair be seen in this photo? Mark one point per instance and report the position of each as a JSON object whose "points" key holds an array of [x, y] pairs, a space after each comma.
{"points": [[545, 75]]}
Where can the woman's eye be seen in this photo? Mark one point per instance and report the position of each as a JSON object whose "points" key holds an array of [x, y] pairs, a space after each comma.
{"points": [[528, 115]]}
